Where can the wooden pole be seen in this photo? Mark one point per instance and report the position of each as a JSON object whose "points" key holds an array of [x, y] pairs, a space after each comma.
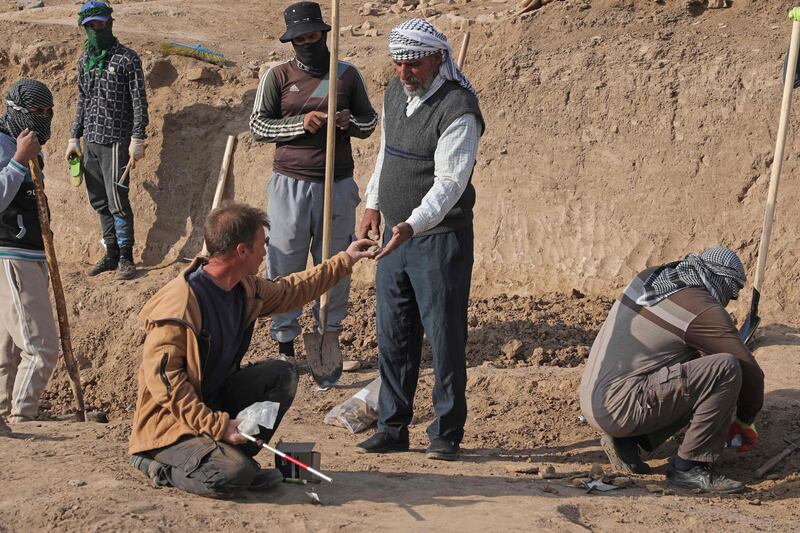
{"points": [[58, 291], [462, 55], [330, 153], [777, 161], [221, 179]]}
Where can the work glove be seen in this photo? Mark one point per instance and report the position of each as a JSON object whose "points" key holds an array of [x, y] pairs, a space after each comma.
{"points": [[136, 149], [747, 434], [794, 14], [73, 148]]}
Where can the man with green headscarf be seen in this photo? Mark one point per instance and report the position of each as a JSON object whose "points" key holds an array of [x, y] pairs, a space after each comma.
{"points": [[112, 117]]}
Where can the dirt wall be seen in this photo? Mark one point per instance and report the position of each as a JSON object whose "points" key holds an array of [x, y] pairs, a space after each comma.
{"points": [[619, 133]]}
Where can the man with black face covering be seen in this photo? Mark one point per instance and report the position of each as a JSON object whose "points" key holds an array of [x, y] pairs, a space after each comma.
{"points": [[28, 338], [291, 111], [112, 117]]}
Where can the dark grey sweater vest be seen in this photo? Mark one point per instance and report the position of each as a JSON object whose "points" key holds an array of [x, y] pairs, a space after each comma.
{"points": [[408, 160]]}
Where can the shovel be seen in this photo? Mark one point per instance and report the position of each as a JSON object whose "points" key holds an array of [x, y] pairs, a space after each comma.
{"points": [[750, 325], [323, 353]]}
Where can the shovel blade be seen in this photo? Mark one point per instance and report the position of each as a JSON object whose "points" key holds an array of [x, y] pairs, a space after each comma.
{"points": [[748, 329], [324, 357]]}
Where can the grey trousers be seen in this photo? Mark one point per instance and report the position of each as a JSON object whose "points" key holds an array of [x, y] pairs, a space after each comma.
{"points": [[28, 338], [295, 214], [103, 169], [700, 394]]}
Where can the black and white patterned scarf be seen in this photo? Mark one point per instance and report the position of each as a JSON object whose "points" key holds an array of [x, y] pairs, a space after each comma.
{"points": [[27, 94], [718, 270], [418, 38]]}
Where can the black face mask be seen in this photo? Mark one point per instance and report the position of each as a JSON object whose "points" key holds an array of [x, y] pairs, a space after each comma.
{"points": [[314, 56]]}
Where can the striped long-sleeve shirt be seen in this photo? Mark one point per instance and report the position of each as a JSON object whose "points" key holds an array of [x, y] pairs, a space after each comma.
{"points": [[285, 94], [112, 105]]}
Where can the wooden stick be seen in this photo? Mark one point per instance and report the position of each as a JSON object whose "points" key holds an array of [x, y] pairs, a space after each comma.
{"points": [[58, 291], [462, 55], [221, 180], [772, 463], [330, 154], [777, 162]]}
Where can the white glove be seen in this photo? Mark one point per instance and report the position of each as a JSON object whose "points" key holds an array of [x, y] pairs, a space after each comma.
{"points": [[136, 149], [73, 148]]}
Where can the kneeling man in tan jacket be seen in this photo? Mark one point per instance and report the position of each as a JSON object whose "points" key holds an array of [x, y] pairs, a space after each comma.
{"points": [[199, 327]]}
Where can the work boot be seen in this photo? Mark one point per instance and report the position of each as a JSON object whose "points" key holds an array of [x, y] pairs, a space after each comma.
{"points": [[126, 270], [5, 431], [623, 454], [443, 450], [381, 442], [286, 352], [265, 479], [147, 466], [107, 263], [704, 478]]}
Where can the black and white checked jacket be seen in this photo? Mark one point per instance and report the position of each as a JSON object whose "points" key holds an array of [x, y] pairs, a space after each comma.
{"points": [[113, 105]]}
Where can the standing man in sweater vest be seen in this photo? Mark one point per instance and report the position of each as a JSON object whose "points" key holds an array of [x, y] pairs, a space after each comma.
{"points": [[112, 117], [669, 357], [28, 338], [423, 187], [291, 111]]}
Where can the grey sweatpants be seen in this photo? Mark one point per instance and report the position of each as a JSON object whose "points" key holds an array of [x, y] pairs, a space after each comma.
{"points": [[103, 169], [700, 394], [295, 215], [28, 338]]}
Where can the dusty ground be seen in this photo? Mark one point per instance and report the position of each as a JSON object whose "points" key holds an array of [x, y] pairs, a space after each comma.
{"points": [[621, 133]]}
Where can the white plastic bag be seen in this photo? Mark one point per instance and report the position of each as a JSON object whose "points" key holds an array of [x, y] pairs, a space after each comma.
{"points": [[258, 414], [358, 412]]}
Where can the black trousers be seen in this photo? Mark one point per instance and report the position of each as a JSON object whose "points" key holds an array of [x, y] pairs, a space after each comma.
{"points": [[423, 286], [203, 466], [103, 170]]}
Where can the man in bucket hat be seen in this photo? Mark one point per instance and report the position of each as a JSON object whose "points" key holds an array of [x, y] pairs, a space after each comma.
{"points": [[111, 117], [291, 111]]}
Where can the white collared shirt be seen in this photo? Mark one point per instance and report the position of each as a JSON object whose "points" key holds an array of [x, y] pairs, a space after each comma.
{"points": [[454, 160]]}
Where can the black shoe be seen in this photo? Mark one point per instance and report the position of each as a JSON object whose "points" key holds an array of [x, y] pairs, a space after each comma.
{"points": [[381, 442], [623, 454], [443, 450], [286, 349], [125, 269], [265, 479], [705, 479], [107, 263]]}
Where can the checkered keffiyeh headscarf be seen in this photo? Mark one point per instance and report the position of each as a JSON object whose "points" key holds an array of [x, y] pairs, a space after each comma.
{"points": [[718, 270], [23, 95], [418, 38]]}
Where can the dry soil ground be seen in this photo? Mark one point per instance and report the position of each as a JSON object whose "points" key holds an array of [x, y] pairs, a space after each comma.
{"points": [[621, 133]]}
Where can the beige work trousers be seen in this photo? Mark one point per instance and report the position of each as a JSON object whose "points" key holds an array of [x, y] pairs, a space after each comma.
{"points": [[28, 338]]}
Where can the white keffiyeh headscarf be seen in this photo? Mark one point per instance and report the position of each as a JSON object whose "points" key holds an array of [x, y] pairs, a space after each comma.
{"points": [[418, 38]]}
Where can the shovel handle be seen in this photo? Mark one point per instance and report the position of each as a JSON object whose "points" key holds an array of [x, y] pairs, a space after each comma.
{"points": [[777, 162]]}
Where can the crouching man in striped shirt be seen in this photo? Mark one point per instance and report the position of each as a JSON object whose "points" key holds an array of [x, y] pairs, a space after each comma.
{"points": [[291, 111], [28, 338], [668, 357]]}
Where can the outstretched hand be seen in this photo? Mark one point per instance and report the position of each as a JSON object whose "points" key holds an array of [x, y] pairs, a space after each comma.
{"points": [[361, 249], [370, 227], [400, 234]]}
